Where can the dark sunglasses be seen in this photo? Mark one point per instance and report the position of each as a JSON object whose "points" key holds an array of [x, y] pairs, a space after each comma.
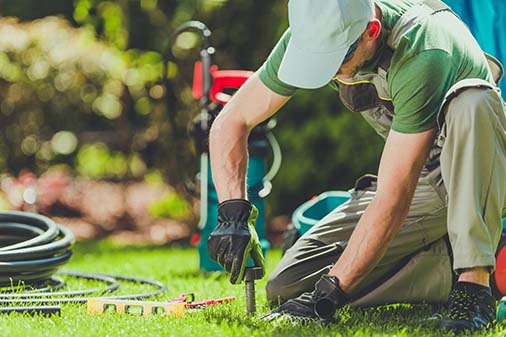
{"points": [[351, 51]]}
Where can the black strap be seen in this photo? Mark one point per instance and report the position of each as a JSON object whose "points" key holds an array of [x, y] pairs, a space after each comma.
{"points": [[386, 58]]}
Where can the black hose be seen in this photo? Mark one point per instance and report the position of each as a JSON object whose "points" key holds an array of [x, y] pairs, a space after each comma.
{"points": [[112, 285], [77, 296], [32, 247]]}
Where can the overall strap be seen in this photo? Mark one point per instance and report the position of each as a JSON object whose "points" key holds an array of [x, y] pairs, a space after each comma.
{"points": [[437, 5], [423, 9], [496, 68], [412, 16], [384, 63]]}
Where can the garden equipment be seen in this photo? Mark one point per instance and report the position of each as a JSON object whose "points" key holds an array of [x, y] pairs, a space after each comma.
{"points": [[46, 296], [212, 87], [250, 275], [318, 305], [498, 281], [32, 248], [31, 241], [312, 211], [47, 310], [175, 307], [501, 310]]}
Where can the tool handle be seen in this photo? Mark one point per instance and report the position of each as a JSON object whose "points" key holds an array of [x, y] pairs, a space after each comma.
{"points": [[209, 302]]}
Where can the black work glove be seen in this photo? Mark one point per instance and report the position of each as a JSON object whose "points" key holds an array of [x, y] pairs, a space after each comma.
{"points": [[320, 304], [235, 239]]}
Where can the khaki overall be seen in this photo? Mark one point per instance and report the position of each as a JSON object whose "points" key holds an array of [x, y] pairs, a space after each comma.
{"points": [[459, 199]]}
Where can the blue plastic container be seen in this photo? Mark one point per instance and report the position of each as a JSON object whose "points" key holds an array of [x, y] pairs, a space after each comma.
{"points": [[312, 211]]}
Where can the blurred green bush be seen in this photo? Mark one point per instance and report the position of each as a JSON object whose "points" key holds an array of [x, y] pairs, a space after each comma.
{"points": [[171, 206], [67, 97]]}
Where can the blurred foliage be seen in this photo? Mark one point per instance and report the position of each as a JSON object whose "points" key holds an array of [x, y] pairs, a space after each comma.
{"points": [[171, 206], [89, 90], [97, 161], [64, 92], [4, 203]]}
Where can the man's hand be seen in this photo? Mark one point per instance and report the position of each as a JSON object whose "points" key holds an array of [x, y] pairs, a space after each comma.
{"points": [[235, 238], [320, 304]]}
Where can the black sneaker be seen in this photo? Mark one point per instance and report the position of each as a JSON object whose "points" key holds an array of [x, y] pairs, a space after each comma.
{"points": [[470, 307]]}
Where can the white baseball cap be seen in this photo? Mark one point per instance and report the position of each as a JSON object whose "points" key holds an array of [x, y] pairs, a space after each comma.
{"points": [[322, 33]]}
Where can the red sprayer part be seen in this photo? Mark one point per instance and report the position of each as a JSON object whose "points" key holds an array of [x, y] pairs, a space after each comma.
{"points": [[222, 79], [500, 271]]}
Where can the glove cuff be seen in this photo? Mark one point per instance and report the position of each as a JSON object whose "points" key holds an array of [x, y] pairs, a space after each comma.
{"points": [[234, 210], [234, 202], [331, 297]]}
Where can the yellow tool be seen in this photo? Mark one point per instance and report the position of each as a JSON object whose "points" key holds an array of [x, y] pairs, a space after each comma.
{"points": [[97, 306]]}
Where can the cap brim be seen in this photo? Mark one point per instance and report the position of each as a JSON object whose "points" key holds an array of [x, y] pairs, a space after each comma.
{"points": [[303, 69]]}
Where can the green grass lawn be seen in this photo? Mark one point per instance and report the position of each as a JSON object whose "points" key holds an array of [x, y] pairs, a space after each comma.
{"points": [[177, 268]]}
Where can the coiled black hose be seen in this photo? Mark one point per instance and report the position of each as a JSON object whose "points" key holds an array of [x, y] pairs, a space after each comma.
{"points": [[32, 247]]}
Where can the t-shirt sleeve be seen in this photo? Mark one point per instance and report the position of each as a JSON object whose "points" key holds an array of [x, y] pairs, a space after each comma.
{"points": [[418, 87], [268, 72]]}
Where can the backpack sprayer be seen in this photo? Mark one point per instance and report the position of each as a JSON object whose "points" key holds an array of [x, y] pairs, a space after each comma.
{"points": [[212, 87]]}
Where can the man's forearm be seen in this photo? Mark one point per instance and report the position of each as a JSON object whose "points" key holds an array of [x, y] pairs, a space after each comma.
{"points": [[383, 218], [229, 158], [228, 141]]}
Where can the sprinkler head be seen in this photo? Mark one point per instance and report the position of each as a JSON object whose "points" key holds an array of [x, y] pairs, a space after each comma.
{"points": [[250, 275]]}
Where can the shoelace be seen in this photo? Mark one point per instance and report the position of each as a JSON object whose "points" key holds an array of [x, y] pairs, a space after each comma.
{"points": [[460, 304]]}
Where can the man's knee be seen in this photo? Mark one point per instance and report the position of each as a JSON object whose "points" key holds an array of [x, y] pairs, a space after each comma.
{"points": [[276, 290]]}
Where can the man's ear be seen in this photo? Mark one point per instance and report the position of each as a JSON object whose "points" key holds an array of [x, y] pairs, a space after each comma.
{"points": [[373, 29]]}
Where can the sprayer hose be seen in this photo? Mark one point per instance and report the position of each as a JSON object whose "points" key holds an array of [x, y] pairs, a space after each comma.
{"points": [[32, 247]]}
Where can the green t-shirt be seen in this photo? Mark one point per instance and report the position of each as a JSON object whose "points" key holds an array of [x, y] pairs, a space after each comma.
{"points": [[431, 57]]}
